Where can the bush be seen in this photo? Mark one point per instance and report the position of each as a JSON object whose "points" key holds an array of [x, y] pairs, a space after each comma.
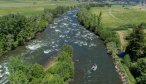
{"points": [[64, 67]]}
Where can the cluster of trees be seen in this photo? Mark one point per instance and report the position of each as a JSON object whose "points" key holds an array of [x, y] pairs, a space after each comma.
{"points": [[136, 51], [136, 43], [94, 23], [60, 72], [16, 29]]}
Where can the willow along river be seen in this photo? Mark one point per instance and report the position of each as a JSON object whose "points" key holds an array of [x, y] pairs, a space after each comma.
{"points": [[88, 50]]}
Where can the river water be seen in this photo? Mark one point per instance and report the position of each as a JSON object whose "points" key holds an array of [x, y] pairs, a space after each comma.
{"points": [[88, 50]]}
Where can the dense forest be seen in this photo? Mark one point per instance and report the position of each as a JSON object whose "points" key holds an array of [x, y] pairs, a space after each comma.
{"points": [[22, 72], [135, 50], [16, 29]]}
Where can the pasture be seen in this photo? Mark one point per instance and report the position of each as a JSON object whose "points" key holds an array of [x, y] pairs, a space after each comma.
{"points": [[118, 16], [28, 7]]}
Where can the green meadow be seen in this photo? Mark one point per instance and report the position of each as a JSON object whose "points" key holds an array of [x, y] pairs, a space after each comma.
{"points": [[117, 15], [29, 7]]}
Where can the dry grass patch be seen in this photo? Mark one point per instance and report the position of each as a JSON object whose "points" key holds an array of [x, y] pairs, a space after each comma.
{"points": [[122, 35]]}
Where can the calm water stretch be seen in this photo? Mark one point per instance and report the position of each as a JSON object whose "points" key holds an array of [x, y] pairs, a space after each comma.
{"points": [[88, 50]]}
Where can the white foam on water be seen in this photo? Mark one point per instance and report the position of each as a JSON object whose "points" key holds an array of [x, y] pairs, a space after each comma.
{"points": [[76, 42], [56, 49], [65, 24], [53, 27], [65, 41], [81, 43], [70, 12], [4, 73], [66, 32], [55, 23], [58, 21], [70, 20], [78, 34], [68, 37], [61, 26], [35, 45], [88, 35], [52, 42], [92, 45], [73, 29], [61, 36], [54, 46], [57, 30], [47, 51], [74, 16], [5, 82], [74, 24], [66, 17], [84, 36]]}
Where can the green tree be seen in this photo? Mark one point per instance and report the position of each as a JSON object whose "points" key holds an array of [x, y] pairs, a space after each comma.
{"points": [[24, 73], [18, 77], [135, 47]]}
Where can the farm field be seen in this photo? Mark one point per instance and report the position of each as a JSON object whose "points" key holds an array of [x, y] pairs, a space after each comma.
{"points": [[118, 16], [28, 7]]}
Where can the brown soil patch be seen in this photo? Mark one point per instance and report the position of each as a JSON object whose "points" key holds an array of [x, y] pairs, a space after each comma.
{"points": [[122, 34]]}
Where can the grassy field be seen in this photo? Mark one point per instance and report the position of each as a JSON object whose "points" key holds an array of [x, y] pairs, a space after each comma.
{"points": [[28, 7], [117, 15]]}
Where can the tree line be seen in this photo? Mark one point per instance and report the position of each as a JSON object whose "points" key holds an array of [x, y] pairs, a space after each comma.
{"points": [[22, 72], [16, 29]]}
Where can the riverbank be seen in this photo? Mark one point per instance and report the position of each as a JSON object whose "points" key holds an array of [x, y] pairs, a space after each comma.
{"points": [[118, 65], [51, 62], [94, 24]]}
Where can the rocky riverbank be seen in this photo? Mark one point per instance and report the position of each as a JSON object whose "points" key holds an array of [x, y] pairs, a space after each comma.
{"points": [[118, 66]]}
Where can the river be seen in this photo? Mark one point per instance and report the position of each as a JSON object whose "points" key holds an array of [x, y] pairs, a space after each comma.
{"points": [[88, 50]]}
